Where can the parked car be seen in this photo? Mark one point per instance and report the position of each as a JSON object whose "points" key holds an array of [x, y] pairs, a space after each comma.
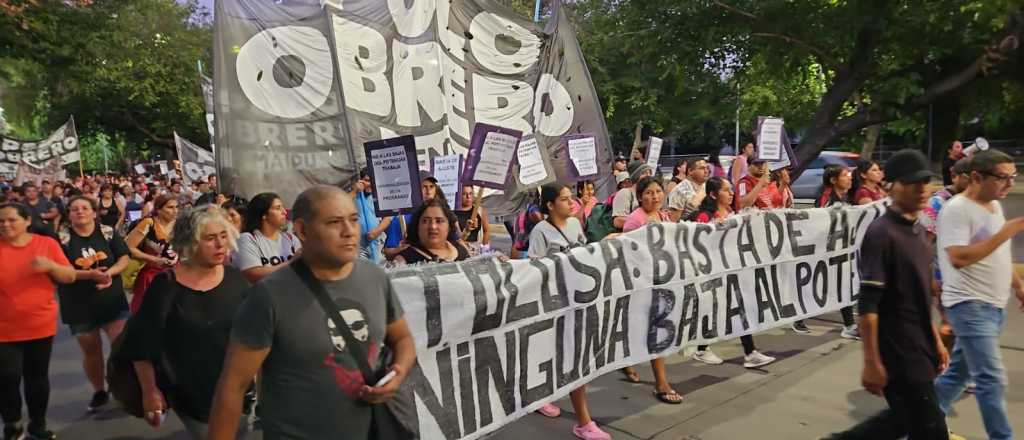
{"points": [[809, 183]]}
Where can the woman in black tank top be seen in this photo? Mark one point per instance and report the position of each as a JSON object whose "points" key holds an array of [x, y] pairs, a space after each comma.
{"points": [[429, 236], [111, 213]]}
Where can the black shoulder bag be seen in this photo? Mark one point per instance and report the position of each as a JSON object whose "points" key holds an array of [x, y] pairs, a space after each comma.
{"points": [[384, 424]]}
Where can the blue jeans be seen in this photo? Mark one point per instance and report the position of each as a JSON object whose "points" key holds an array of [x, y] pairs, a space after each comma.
{"points": [[976, 357]]}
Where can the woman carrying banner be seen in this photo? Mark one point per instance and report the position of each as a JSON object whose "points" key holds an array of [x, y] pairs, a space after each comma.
{"points": [[148, 244], [867, 183], [559, 232], [194, 302], [716, 208], [96, 300], [836, 182], [28, 319], [430, 239], [651, 195], [478, 227]]}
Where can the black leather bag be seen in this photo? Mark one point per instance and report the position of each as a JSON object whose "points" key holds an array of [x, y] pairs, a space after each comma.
{"points": [[384, 424]]}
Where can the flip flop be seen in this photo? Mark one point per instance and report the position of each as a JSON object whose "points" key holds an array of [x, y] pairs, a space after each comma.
{"points": [[670, 397], [631, 375]]}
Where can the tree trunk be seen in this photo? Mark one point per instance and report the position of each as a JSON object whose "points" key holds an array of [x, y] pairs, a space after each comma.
{"points": [[871, 135]]}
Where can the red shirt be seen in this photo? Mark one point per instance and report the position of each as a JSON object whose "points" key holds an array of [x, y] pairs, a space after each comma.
{"points": [[867, 193], [746, 185], [781, 198], [28, 300]]}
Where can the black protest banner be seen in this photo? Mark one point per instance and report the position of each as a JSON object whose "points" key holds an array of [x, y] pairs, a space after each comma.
{"points": [[394, 175], [206, 84], [497, 339], [62, 143], [197, 164]]}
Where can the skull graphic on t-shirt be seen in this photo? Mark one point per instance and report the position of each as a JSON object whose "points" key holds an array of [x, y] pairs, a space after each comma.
{"points": [[346, 371]]}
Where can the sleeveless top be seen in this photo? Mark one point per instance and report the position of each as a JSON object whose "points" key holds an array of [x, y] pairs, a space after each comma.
{"points": [[413, 255], [109, 215], [155, 242], [463, 218]]}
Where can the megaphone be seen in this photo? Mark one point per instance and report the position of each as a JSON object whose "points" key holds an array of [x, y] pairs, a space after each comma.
{"points": [[980, 144]]}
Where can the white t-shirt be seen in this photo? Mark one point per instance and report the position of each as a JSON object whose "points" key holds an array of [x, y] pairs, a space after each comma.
{"points": [[963, 222], [681, 194], [625, 202], [256, 250], [545, 238]]}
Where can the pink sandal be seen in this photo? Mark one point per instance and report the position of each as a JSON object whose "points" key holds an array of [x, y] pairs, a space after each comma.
{"points": [[549, 410], [590, 431]]}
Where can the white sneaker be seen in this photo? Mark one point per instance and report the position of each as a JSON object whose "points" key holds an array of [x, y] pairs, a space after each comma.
{"points": [[707, 357], [756, 359], [851, 332]]}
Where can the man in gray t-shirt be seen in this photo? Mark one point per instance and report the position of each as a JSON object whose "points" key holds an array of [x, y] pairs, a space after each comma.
{"points": [[311, 384]]}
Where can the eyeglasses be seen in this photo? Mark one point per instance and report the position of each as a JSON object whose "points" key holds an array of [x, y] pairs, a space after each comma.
{"points": [[1007, 178]]}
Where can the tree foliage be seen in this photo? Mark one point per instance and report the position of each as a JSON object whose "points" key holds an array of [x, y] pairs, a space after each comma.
{"points": [[123, 67], [831, 68]]}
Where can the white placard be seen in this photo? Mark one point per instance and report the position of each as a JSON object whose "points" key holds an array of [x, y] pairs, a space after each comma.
{"points": [[495, 157], [140, 169], [446, 171], [391, 178], [583, 153], [163, 167], [769, 140], [531, 163], [654, 152]]}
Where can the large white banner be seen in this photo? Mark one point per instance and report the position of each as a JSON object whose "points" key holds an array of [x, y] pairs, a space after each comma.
{"points": [[497, 339]]}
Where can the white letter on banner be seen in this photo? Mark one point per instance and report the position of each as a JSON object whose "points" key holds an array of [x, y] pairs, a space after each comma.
{"points": [[417, 78], [560, 119], [453, 83], [502, 102], [486, 28], [451, 41], [255, 70], [412, 22], [363, 58]]}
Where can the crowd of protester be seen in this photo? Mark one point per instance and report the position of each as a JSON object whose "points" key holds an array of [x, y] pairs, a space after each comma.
{"points": [[226, 304]]}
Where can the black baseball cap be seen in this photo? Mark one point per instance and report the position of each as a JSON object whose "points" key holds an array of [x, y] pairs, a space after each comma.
{"points": [[908, 166], [620, 158], [425, 175]]}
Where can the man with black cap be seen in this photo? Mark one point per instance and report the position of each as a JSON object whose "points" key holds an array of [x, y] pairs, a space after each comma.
{"points": [[625, 200], [902, 350]]}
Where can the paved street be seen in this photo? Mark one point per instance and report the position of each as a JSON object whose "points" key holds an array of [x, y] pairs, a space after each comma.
{"points": [[814, 389]]}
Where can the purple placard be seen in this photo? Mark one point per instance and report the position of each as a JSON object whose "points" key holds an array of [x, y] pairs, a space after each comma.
{"points": [[490, 168], [395, 179], [447, 176], [574, 173]]}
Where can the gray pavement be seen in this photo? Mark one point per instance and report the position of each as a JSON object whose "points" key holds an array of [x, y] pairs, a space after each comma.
{"points": [[812, 390]]}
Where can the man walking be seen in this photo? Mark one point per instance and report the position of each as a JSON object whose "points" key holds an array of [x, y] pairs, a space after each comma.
{"points": [[311, 383], [977, 278], [902, 350]]}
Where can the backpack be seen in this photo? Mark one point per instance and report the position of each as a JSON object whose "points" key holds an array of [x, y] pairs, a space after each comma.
{"points": [[600, 223], [523, 228]]}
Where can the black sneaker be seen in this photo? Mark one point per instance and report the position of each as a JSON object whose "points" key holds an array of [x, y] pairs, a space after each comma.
{"points": [[99, 399], [40, 434], [14, 432], [800, 327]]}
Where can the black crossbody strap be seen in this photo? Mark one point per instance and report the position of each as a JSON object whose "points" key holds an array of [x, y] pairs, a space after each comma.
{"points": [[334, 314]]}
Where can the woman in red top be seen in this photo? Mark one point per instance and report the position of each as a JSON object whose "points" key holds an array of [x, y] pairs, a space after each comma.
{"points": [[716, 208], [780, 189], [148, 243], [867, 183], [28, 319]]}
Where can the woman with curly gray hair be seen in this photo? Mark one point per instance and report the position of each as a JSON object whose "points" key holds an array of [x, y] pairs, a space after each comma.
{"points": [[184, 323]]}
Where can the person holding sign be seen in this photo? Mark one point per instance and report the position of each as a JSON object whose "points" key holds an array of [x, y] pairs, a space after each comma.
{"points": [[473, 219], [750, 191], [651, 195], [716, 208], [430, 239], [559, 232], [903, 353]]}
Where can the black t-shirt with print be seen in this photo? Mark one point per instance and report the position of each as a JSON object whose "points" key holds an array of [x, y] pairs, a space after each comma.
{"points": [[80, 302]]}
